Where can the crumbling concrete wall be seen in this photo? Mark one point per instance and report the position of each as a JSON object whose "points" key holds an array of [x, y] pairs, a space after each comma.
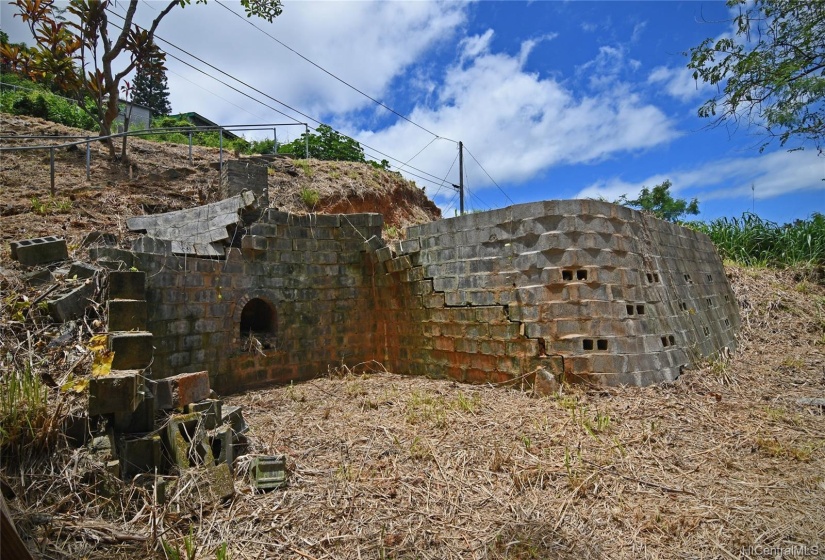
{"points": [[303, 281], [582, 290]]}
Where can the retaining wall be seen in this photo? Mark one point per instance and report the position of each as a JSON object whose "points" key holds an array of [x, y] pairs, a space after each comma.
{"points": [[585, 290]]}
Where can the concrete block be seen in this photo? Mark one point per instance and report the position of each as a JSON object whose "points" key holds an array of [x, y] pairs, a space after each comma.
{"points": [[142, 419], [216, 484], [71, 302], [268, 473], [383, 254], [127, 314], [139, 454], [397, 265], [253, 242], [210, 409], [38, 277], [185, 438], [373, 244], [116, 392], [409, 246], [40, 250], [133, 350], [99, 238], [180, 390], [81, 270], [127, 285], [221, 441], [233, 417]]}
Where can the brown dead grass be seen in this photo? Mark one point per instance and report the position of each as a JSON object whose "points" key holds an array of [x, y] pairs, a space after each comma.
{"points": [[159, 178], [390, 466]]}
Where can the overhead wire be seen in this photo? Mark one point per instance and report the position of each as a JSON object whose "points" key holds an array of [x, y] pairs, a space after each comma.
{"points": [[318, 66], [435, 179], [488, 175]]}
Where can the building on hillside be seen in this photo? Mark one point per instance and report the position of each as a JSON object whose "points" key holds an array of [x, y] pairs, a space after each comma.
{"points": [[199, 120], [140, 118]]}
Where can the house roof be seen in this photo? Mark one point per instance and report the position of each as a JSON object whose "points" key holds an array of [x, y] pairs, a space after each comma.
{"points": [[199, 120]]}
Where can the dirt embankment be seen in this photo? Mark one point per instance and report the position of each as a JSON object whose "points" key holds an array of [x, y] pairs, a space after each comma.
{"points": [[159, 178]]}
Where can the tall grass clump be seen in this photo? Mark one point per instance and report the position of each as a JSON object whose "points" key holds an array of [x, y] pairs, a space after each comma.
{"points": [[24, 411], [752, 241]]}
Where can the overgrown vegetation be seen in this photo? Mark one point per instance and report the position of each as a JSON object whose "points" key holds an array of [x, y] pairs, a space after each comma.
{"points": [[752, 241], [20, 96]]}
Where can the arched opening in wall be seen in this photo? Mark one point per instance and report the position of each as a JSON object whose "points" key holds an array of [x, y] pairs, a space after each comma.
{"points": [[259, 325]]}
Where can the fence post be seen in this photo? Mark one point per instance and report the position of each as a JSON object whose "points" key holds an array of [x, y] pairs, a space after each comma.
{"points": [[220, 161], [190, 148], [306, 142], [88, 160], [51, 165]]}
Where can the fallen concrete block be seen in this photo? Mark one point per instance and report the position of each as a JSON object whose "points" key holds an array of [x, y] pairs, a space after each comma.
{"points": [[210, 409], [139, 454], [127, 314], [127, 284], [41, 250], [99, 238], [211, 484], [38, 277], [373, 244], [545, 383], [81, 270], [268, 473], [253, 242], [133, 350], [142, 419], [179, 390], [221, 443], [115, 392], [233, 417], [71, 302], [383, 254], [186, 441]]}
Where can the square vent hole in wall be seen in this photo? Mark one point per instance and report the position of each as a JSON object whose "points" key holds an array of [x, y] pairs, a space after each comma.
{"points": [[652, 277], [258, 324]]}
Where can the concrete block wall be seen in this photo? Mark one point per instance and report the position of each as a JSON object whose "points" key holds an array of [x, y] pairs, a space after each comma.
{"points": [[304, 283], [584, 290]]}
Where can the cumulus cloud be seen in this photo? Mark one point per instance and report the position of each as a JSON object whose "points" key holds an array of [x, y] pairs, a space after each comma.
{"points": [[520, 124], [775, 174], [678, 83]]}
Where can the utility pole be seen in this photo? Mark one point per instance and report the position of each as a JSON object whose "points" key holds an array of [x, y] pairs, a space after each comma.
{"points": [[461, 177]]}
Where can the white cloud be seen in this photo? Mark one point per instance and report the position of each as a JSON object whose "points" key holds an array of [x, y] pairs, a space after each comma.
{"points": [[520, 124], [775, 174], [367, 44], [678, 83]]}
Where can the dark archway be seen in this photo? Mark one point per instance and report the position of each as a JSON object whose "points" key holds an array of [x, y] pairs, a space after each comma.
{"points": [[258, 318]]}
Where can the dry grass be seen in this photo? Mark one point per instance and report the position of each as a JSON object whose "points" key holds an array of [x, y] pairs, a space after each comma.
{"points": [[389, 466]]}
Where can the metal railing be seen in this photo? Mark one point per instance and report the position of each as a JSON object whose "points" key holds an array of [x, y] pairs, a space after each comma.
{"points": [[189, 130]]}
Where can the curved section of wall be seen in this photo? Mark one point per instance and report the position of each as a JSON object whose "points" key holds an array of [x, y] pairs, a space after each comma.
{"points": [[589, 290]]}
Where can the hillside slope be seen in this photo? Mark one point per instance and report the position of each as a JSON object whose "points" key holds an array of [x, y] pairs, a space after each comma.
{"points": [[158, 178]]}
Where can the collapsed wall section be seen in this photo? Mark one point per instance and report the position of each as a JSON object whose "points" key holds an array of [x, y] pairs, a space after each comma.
{"points": [[285, 305]]}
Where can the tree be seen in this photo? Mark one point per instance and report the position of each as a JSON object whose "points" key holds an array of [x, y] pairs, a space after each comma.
{"points": [[328, 144], [772, 73], [661, 203], [149, 88], [85, 41]]}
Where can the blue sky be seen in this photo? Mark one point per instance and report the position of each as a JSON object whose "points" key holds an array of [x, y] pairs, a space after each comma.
{"points": [[554, 99]]}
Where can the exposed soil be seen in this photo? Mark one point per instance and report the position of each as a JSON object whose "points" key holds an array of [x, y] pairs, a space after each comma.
{"points": [[159, 178], [726, 462]]}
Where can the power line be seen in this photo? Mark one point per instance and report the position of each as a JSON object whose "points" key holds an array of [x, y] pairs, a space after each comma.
{"points": [[390, 109], [157, 37], [488, 175]]}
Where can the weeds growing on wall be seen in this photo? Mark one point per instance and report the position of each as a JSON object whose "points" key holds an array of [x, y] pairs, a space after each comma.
{"points": [[752, 241]]}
